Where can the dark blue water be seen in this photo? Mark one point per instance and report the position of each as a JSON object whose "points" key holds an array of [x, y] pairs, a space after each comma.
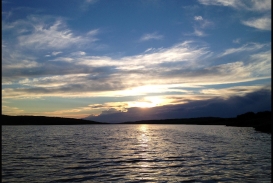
{"points": [[135, 153]]}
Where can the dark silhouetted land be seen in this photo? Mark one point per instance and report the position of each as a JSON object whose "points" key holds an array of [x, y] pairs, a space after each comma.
{"points": [[261, 121], [42, 120]]}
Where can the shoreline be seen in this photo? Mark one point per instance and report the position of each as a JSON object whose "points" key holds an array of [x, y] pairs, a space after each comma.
{"points": [[262, 123]]}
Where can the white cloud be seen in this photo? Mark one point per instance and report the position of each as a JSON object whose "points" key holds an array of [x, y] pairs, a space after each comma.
{"points": [[7, 14], [90, 1], [78, 53], [263, 23], [55, 36], [200, 25], [86, 3], [149, 50], [233, 91], [260, 5], [154, 71], [199, 33], [63, 59], [5, 2], [22, 64], [198, 18], [54, 81], [232, 3], [93, 32], [250, 5], [260, 64], [8, 110], [3, 44], [206, 24], [246, 47], [264, 6], [147, 37], [237, 41], [178, 53], [54, 53]]}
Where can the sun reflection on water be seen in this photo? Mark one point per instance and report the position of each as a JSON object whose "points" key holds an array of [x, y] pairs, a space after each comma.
{"points": [[144, 147], [144, 138], [143, 128]]}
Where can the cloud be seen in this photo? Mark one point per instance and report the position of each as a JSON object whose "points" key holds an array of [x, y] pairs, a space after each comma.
{"points": [[263, 23], [200, 25], [54, 37], [7, 110], [93, 32], [109, 111], [54, 53], [158, 71], [251, 5], [44, 35], [260, 64], [23, 64], [150, 50], [198, 18], [58, 89], [262, 6], [86, 3], [91, 1], [245, 47], [199, 33], [226, 93], [237, 41], [155, 36], [181, 52], [255, 101], [112, 106], [5, 2], [78, 53], [8, 14], [231, 3], [45, 32], [77, 112]]}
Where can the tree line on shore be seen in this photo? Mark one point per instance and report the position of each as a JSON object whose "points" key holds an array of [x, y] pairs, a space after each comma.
{"points": [[261, 121]]}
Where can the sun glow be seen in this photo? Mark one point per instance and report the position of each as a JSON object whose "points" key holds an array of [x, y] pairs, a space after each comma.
{"points": [[147, 102], [143, 128]]}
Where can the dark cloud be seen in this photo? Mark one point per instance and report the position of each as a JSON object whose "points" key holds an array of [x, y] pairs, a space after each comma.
{"points": [[81, 88], [55, 68], [216, 107]]}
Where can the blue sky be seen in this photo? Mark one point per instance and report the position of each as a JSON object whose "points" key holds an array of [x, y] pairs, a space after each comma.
{"points": [[99, 58]]}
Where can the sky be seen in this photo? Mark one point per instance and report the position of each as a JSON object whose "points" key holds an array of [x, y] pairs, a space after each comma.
{"points": [[116, 61]]}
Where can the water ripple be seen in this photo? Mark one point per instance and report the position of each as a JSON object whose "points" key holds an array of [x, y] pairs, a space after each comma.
{"points": [[135, 153]]}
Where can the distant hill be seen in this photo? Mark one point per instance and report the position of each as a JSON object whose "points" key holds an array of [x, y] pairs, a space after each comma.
{"points": [[196, 121], [42, 120], [261, 121]]}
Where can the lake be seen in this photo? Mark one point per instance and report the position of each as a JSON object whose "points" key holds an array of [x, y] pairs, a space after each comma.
{"points": [[135, 153]]}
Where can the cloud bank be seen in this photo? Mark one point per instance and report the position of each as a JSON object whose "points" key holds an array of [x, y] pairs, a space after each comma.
{"points": [[98, 75], [215, 107]]}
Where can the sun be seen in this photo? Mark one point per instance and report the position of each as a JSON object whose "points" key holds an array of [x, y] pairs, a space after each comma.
{"points": [[144, 104], [147, 102]]}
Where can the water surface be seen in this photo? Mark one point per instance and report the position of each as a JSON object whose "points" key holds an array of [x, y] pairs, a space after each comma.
{"points": [[135, 153]]}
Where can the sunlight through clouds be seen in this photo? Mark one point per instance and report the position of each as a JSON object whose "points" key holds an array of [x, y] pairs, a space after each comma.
{"points": [[160, 55]]}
